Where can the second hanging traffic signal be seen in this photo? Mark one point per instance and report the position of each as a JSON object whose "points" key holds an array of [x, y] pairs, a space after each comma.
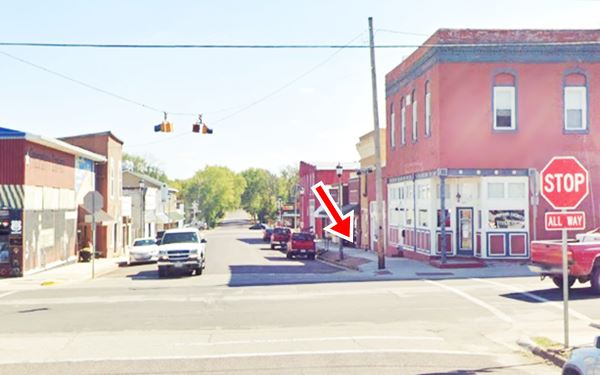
{"points": [[201, 126]]}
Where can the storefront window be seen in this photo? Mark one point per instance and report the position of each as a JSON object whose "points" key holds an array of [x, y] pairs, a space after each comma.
{"points": [[496, 190], [506, 219], [4, 252], [448, 218], [409, 217], [516, 190]]}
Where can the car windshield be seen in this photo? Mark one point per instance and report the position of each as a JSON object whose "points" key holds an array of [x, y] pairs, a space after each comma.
{"points": [[147, 242], [180, 237], [302, 236]]}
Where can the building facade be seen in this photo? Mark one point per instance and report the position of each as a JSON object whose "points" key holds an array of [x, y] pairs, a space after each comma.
{"points": [[367, 217], [473, 116], [110, 232], [42, 182], [312, 216]]}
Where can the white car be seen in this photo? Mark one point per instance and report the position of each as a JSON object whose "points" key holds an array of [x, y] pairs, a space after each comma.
{"points": [[584, 361], [143, 250], [181, 250]]}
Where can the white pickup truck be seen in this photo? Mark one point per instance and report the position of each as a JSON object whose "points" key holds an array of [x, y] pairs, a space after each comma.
{"points": [[181, 249]]}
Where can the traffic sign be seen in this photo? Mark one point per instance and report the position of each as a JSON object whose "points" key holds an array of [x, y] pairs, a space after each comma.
{"points": [[93, 202], [565, 182], [573, 220]]}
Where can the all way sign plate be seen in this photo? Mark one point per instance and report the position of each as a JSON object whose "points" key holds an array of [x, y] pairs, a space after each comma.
{"points": [[572, 220]]}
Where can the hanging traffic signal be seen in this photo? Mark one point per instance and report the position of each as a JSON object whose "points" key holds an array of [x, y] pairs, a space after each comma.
{"points": [[206, 129], [165, 127], [196, 128]]}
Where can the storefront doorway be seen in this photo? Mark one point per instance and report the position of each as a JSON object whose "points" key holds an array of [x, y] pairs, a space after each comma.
{"points": [[464, 217]]}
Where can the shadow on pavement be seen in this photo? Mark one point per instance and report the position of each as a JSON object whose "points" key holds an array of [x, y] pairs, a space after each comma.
{"points": [[252, 241], [485, 370], [153, 275], [553, 294]]}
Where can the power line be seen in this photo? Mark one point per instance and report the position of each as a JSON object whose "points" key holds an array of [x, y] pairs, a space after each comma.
{"points": [[92, 87], [263, 98], [296, 46]]}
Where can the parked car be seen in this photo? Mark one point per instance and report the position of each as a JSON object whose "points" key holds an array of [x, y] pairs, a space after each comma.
{"points": [[280, 237], [301, 244], [143, 250], [181, 249], [583, 255], [584, 361], [258, 226], [267, 234]]}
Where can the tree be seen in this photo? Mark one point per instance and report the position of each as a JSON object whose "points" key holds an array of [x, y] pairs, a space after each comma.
{"points": [[141, 165], [287, 182], [216, 189], [260, 196]]}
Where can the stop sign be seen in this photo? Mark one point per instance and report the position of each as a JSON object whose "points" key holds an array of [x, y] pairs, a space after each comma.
{"points": [[564, 182]]}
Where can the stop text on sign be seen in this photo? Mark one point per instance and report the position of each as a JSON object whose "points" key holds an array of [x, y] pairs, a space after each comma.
{"points": [[564, 182], [574, 220], [567, 183]]}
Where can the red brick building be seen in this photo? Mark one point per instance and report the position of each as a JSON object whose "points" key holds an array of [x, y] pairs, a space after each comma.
{"points": [[311, 217], [473, 116]]}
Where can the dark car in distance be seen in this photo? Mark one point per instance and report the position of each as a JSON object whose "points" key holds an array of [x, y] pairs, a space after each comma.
{"points": [[258, 226]]}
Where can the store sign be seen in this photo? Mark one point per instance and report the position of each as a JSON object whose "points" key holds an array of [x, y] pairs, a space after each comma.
{"points": [[574, 220]]}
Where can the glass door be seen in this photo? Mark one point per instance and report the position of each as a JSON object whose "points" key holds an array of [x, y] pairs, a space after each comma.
{"points": [[465, 230]]}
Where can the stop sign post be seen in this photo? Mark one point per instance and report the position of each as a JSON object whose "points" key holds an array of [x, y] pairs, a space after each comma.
{"points": [[564, 185]]}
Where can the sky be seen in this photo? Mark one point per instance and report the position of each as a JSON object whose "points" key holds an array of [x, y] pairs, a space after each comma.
{"points": [[267, 108]]}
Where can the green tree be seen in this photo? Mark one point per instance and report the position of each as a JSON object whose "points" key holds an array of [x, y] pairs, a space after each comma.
{"points": [[287, 182], [216, 189], [260, 196], [142, 165]]}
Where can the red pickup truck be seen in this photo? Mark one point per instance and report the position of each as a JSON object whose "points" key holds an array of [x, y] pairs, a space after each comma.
{"points": [[280, 237], [302, 244], [583, 256]]}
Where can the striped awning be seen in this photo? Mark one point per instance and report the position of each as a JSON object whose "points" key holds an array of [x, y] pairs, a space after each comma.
{"points": [[11, 196]]}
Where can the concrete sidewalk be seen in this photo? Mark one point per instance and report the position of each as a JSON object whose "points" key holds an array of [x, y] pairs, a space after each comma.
{"points": [[404, 268], [68, 273]]}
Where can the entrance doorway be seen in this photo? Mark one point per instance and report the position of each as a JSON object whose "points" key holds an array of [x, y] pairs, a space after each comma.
{"points": [[464, 220]]}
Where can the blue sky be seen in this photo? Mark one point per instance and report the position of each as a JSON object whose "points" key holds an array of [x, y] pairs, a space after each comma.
{"points": [[317, 118]]}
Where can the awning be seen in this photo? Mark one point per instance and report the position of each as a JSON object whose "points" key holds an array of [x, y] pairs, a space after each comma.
{"points": [[175, 216], [162, 218], [11, 196], [320, 212]]}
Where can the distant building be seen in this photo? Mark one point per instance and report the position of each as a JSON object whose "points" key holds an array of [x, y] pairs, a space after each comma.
{"points": [[109, 236], [470, 123], [42, 184], [367, 217], [312, 216]]}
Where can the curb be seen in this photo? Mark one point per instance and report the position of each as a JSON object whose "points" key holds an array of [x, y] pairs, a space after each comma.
{"points": [[341, 266], [541, 352]]}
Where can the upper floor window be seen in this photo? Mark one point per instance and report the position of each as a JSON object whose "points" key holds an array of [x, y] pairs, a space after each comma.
{"points": [[414, 116], [392, 126], [575, 108], [504, 102], [403, 122], [427, 109]]}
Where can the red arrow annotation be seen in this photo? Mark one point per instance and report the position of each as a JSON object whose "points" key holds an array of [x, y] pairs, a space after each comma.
{"points": [[341, 226]]}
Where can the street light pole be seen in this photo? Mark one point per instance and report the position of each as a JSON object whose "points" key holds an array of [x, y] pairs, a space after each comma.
{"points": [[142, 208], [339, 171]]}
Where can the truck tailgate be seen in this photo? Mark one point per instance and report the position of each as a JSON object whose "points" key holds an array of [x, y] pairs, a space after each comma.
{"points": [[546, 252]]}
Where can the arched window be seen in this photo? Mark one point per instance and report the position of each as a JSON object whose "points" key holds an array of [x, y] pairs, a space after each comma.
{"points": [[427, 109], [575, 102], [504, 102], [403, 121], [415, 118], [392, 126]]}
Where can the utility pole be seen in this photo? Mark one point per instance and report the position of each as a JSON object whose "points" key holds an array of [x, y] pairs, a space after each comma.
{"points": [[378, 187]]}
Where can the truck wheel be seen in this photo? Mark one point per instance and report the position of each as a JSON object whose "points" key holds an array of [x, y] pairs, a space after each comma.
{"points": [[311, 256], [272, 247], [596, 279], [288, 255], [558, 281]]}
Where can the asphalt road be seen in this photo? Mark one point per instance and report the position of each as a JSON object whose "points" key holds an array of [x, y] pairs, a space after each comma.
{"points": [[256, 312]]}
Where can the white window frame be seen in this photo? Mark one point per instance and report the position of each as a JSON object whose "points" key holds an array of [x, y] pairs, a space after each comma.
{"points": [[428, 113], [511, 91], [393, 126], [415, 124], [403, 123], [581, 90]]}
